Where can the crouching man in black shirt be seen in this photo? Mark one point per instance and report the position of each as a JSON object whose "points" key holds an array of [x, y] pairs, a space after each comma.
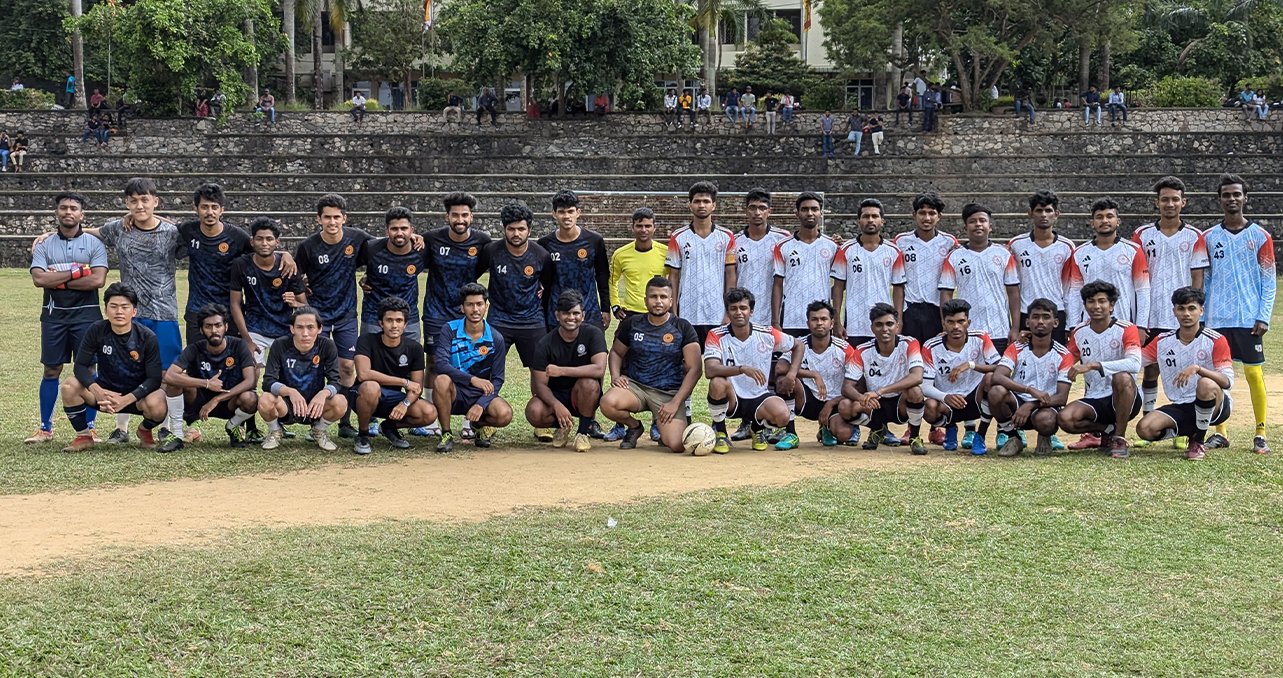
{"points": [[389, 372], [566, 372], [301, 382], [215, 377]]}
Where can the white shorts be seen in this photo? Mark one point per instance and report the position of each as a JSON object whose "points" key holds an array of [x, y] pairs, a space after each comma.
{"points": [[260, 357]]}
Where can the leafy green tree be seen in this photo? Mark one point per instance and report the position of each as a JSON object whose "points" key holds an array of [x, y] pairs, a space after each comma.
{"points": [[769, 63], [33, 43], [388, 41], [1187, 92]]}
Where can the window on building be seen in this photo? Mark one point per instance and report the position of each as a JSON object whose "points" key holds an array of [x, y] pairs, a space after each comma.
{"points": [[859, 93], [726, 32], [794, 17]]}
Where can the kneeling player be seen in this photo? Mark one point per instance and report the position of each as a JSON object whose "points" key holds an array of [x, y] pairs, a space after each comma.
{"points": [[1197, 371], [470, 358], [214, 377], [127, 357], [301, 383], [737, 360], [883, 384], [1031, 383], [565, 375], [955, 382], [389, 373], [1108, 353], [810, 377]]}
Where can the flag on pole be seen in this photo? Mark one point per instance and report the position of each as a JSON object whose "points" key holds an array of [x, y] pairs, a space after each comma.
{"points": [[427, 14], [806, 15]]}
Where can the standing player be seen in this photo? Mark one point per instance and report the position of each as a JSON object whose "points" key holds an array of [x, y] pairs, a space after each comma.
{"points": [[212, 247], [954, 380], [1042, 260], [701, 263], [215, 376], [565, 379], [737, 361], [1031, 383], [118, 372], [1198, 372], [755, 252], [803, 264], [579, 262], [70, 269], [301, 382], [521, 273], [884, 383], [389, 367], [470, 357], [1107, 352], [925, 249], [867, 271], [815, 370], [392, 268], [262, 295], [654, 365]]}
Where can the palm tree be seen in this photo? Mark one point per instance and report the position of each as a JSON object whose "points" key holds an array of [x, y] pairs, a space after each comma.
{"points": [[287, 20], [709, 14], [313, 12]]}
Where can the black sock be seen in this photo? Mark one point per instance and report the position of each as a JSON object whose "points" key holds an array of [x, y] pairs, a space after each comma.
{"points": [[791, 427], [914, 430], [585, 423], [984, 428], [347, 418], [720, 426], [148, 424], [76, 415], [1202, 419], [251, 425], [755, 427], [969, 426]]}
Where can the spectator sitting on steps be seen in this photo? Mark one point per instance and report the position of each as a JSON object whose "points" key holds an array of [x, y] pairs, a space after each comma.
{"points": [[601, 105], [267, 105], [18, 150], [1090, 100], [1259, 108], [17, 85], [731, 105], [1117, 103], [703, 107], [685, 108], [358, 107], [453, 111], [748, 107], [486, 104], [96, 101], [670, 109]]}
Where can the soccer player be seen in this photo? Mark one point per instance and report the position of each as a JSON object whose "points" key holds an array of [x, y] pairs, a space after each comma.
{"points": [[1107, 353], [470, 355], [925, 249], [263, 295], [565, 379], [812, 375], [301, 384], [755, 251], [884, 383], [663, 366], [521, 273], [954, 381], [867, 271], [1031, 383], [1042, 260], [212, 247], [984, 274], [392, 268], [389, 370], [1117, 261], [701, 263], [579, 262], [803, 263], [215, 377], [70, 269], [1198, 372], [1240, 294], [118, 371], [1177, 257], [634, 265], [737, 361]]}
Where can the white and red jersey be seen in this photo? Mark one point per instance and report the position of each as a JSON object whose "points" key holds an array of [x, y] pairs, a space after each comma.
{"points": [[1038, 372], [879, 370], [1117, 349], [1209, 349], [981, 278], [1124, 265], [869, 276], [755, 351], [703, 262], [1044, 271], [804, 267], [833, 364], [923, 261], [1170, 260], [755, 268], [940, 361]]}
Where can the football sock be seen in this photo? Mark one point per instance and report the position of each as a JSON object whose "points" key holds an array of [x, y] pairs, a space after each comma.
{"points": [[585, 425], [1202, 418], [273, 425], [240, 417], [717, 408], [176, 406], [1256, 386], [149, 424], [1149, 395], [48, 400], [122, 422], [791, 427], [76, 415]]}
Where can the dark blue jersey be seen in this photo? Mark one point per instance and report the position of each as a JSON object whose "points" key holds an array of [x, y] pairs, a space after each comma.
{"points": [[460, 358], [451, 265], [226, 365], [307, 371], [516, 283], [581, 264], [331, 273], [390, 275], [210, 262], [126, 363], [654, 355], [262, 305]]}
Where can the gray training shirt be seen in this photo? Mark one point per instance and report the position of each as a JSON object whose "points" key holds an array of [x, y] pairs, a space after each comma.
{"points": [[148, 260]]}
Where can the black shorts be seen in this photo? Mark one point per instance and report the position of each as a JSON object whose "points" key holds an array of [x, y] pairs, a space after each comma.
{"points": [[701, 332], [1153, 334], [1060, 334], [291, 418], [811, 408], [431, 328], [746, 408], [344, 333], [969, 413], [999, 344], [389, 398], [223, 410], [1104, 408], [888, 412], [1245, 347], [60, 341], [1183, 415], [1021, 399], [524, 339], [464, 399], [567, 399], [921, 321]]}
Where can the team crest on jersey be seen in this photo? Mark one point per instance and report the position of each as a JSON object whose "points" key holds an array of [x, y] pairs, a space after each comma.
{"points": [[1059, 259], [347, 251], [1122, 258], [484, 350], [276, 282], [1184, 247], [133, 355], [410, 270], [222, 247], [316, 359], [1115, 344], [529, 271], [583, 253], [997, 260], [1202, 355], [230, 361], [763, 348], [472, 251], [886, 261], [581, 349], [403, 361], [668, 338]]}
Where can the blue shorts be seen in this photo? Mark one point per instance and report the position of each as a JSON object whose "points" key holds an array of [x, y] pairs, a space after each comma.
{"points": [[168, 336], [59, 342], [389, 398], [431, 328], [411, 330], [344, 334]]}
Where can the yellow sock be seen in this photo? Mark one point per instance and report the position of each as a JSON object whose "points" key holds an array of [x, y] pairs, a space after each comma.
{"points": [[1219, 428], [1256, 386]]}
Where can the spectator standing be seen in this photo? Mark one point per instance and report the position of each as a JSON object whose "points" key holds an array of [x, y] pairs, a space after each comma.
{"points": [[904, 104], [601, 105], [17, 85], [748, 106], [1090, 99], [684, 109], [786, 108], [826, 134], [769, 104], [216, 104], [486, 104], [19, 150], [874, 126], [267, 105], [1259, 108], [855, 124], [358, 107], [930, 102], [920, 87], [670, 109], [70, 90], [731, 105], [6, 147], [703, 107], [993, 92], [453, 111], [1117, 103]]}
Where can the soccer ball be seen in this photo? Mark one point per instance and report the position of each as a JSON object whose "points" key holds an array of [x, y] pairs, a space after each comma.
{"points": [[698, 439]]}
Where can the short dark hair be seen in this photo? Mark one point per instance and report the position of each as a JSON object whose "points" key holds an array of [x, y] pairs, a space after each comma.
{"points": [[737, 294], [210, 192], [643, 213], [331, 200], [1230, 180], [70, 195], [881, 309], [757, 195], [1043, 304], [955, 306], [870, 202], [819, 305], [141, 186], [390, 304], [209, 311], [514, 212], [568, 299], [807, 195], [120, 290], [565, 198], [473, 289], [1171, 182], [1095, 287], [706, 187], [1188, 295], [928, 199], [975, 208], [264, 224], [658, 281], [459, 198], [1042, 198], [305, 310], [397, 212], [1102, 204]]}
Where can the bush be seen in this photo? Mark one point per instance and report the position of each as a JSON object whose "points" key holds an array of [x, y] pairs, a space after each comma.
{"points": [[24, 99], [640, 97], [1186, 92], [823, 94], [433, 91]]}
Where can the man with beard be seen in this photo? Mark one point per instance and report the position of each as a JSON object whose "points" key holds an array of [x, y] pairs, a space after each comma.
{"points": [[389, 371], [1042, 260], [1031, 383], [521, 272], [392, 268], [565, 378], [215, 376], [470, 358]]}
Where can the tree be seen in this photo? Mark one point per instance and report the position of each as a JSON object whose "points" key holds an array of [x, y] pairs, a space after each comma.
{"points": [[288, 8], [707, 20], [32, 41], [388, 41], [78, 58], [768, 63]]}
